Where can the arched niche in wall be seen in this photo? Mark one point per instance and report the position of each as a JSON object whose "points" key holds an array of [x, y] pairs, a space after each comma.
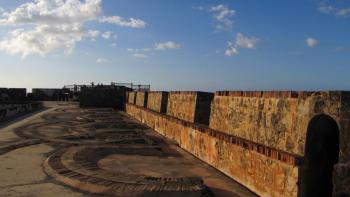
{"points": [[321, 154]]}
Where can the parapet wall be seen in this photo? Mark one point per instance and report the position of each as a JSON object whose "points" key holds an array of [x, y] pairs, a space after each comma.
{"points": [[275, 119], [263, 170], [259, 138], [190, 106], [182, 105], [13, 94], [141, 99], [12, 109], [158, 101], [131, 97], [103, 96]]}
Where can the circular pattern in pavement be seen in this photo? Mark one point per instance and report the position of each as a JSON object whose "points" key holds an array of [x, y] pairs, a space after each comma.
{"points": [[84, 168], [106, 152]]}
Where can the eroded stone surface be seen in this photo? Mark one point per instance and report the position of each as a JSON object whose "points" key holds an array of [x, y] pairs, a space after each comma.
{"points": [[141, 99], [157, 101], [131, 96], [272, 123], [279, 122], [190, 106]]}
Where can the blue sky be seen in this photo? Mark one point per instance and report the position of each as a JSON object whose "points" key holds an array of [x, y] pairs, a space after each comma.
{"points": [[177, 44]]}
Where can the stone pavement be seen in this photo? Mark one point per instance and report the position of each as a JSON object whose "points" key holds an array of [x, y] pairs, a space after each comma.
{"points": [[70, 151]]}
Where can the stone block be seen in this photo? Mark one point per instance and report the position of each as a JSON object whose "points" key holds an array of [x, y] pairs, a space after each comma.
{"points": [[158, 101], [190, 106]]}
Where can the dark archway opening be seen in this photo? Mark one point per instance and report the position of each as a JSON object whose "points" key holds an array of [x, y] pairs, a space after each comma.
{"points": [[321, 153]]}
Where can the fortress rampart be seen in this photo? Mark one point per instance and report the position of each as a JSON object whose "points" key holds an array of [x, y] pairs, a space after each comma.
{"points": [[141, 99], [158, 101], [9, 110], [277, 143]]}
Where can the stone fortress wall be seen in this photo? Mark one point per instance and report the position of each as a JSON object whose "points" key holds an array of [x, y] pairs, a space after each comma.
{"points": [[190, 106], [9, 110], [14, 102], [158, 101], [131, 97], [141, 99], [258, 138]]}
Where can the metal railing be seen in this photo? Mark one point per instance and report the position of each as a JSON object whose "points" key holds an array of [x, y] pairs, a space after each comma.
{"points": [[135, 87]]}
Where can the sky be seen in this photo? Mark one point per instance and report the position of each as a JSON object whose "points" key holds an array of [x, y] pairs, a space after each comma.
{"points": [[202, 45]]}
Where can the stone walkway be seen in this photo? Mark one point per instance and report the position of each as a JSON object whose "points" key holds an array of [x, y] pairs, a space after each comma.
{"points": [[69, 151]]}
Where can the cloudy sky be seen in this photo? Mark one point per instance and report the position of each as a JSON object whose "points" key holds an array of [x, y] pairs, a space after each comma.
{"points": [[176, 44]]}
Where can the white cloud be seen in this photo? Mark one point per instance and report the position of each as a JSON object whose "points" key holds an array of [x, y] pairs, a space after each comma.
{"points": [[132, 22], [107, 34], [343, 12], [102, 60], [138, 50], [93, 34], [114, 44], [166, 45], [324, 8], [42, 40], [246, 42], [50, 12], [49, 25], [329, 9], [241, 42], [311, 42], [222, 15], [140, 55], [44, 26], [231, 51], [145, 52]]}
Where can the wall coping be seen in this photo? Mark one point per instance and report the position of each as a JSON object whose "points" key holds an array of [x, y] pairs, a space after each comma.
{"points": [[275, 94], [144, 92], [150, 92], [257, 94], [280, 155], [189, 92]]}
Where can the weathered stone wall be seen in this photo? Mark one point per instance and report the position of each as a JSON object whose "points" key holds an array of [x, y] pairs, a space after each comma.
{"points": [[190, 106], [103, 96], [253, 136], [141, 98], [266, 171], [12, 109], [131, 97], [341, 172], [275, 119], [344, 126], [13, 94], [158, 101], [182, 105]]}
